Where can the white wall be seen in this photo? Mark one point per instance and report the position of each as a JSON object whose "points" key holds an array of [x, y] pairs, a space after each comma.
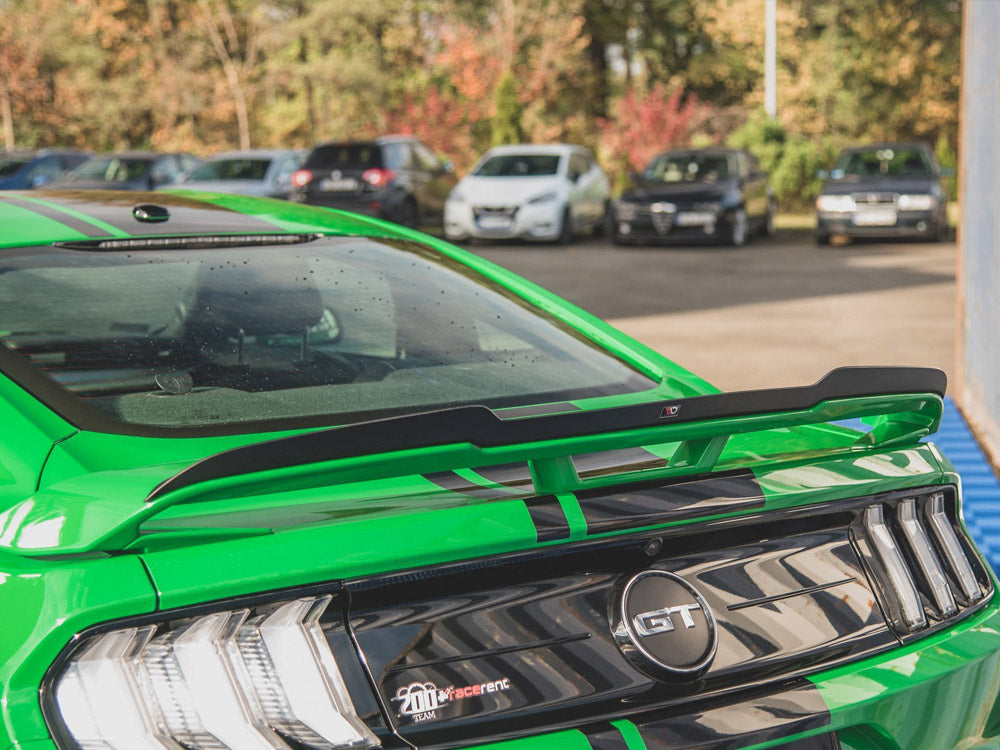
{"points": [[978, 388]]}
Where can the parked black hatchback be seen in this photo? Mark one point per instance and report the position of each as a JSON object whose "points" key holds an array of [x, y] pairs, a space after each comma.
{"points": [[712, 194], [394, 177], [883, 190]]}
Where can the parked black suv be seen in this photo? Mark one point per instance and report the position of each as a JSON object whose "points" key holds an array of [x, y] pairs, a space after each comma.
{"points": [[394, 177]]}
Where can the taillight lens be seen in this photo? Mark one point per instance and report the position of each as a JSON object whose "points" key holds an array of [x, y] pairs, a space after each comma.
{"points": [[301, 178], [924, 572], [236, 679], [378, 177]]}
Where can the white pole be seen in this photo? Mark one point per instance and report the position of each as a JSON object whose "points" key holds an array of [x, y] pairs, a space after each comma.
{"points": [[770, 59]]}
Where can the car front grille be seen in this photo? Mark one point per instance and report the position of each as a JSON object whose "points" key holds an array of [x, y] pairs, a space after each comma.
{"points": [[500, 212], [874, 200]]}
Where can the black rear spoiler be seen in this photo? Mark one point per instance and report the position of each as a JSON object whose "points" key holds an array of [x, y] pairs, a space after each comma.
{"points": [[480, 426]]}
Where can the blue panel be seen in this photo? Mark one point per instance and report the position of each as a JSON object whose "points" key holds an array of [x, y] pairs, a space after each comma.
{"points": [[981, 490]]}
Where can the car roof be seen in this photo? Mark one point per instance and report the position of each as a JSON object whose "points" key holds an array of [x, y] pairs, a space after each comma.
{"points": [[257, 153], [93, 215], [141, 155], [536, 148], [888, 144], [708, 151]]}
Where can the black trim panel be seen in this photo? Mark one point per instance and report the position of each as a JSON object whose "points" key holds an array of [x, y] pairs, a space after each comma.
{"points": [[481, 426], [731, 724], [78, 225], [549, 518], [665, 500]]}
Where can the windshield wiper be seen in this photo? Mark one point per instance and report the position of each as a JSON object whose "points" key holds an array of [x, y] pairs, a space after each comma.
{"points": [[482, 427]]}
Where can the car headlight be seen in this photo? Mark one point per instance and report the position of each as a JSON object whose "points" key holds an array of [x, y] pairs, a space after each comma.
{"points": [[835, 203], [916, 202], [625, 211], [239, 679], [544, 198]]}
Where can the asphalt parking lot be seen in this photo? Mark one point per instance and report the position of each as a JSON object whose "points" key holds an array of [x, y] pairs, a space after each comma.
{"points": [[777, 312]]}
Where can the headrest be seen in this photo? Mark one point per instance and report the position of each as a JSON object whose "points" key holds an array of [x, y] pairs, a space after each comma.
{"points": [[261, 299]]}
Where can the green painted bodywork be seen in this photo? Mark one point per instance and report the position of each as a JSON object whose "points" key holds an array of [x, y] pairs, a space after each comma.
{"points": [[80, 546]]}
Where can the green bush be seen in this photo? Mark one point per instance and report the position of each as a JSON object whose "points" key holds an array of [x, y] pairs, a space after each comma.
{"points": [[946, 158], [791, 161], [506, 123]]}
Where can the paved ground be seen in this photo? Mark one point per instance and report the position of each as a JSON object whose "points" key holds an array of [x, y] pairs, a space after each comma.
{"points": [[777, 312]]}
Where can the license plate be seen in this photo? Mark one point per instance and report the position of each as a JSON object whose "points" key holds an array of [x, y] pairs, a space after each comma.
{"points": [[494, 222], [342, 185], [694, 218], [885, 218]]}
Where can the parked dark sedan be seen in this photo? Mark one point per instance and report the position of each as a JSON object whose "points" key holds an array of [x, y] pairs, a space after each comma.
{"points": [[394, 177], [714, 194], [132, 170], [23, 170], [884, 190]]}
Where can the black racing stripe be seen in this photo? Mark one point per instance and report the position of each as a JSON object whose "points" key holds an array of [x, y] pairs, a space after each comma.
{"points": [[727, 725], [652, 502], [514, 474], [449, 480], [617, 461], [606, 736], [78, 225], [187, 216], [549, 518], [514, 412]]}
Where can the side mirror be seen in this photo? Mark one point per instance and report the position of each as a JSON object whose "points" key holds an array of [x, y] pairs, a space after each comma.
{"points": [[822, 174], [283, 181], [40, 179], [948, 172], [447, 167]]}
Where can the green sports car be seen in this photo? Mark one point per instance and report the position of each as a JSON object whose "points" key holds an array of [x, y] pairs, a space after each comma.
{"points": [[275, 477]]}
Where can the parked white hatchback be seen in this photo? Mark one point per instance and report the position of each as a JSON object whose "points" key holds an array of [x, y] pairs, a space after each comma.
{"points": [[536, 192]]}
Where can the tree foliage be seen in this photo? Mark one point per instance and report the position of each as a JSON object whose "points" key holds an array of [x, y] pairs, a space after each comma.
{"points": [[625, 77]]}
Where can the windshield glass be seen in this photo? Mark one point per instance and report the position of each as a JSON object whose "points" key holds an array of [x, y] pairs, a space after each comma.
{"points": [[11, 165], [519, 165], [111, 169], [345, 327], [884, 162], [680, 167], [231, 169]]}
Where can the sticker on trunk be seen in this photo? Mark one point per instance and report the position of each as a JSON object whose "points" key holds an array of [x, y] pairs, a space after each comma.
{"points": [[420, 701]]}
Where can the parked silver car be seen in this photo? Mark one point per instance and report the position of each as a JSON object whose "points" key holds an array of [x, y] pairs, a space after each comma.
{"points": [[265, 173]]}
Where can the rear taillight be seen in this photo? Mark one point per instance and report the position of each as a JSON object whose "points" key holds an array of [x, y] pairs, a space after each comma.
{"points": [[243, 679], [378, 177], [923, 565], [301, 178]]}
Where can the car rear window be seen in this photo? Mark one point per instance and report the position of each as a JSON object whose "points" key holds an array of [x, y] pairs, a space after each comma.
{"points": [[519, 165], [231, 169], [345, 156], [229, 337]]}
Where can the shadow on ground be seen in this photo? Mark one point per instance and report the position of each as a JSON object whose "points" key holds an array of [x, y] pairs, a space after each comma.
{"points": [[618, 282]]}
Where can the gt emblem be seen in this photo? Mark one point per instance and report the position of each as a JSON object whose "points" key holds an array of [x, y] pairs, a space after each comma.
{"points": [[658, 621], [670, 411], [664, 625]]}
